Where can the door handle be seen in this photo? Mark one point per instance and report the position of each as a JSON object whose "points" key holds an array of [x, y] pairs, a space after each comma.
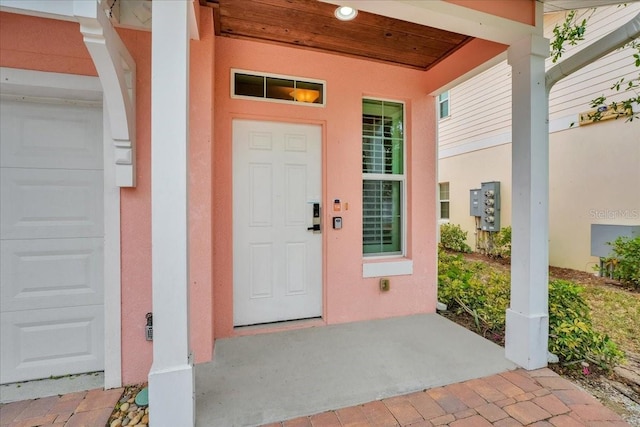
{"points": [[315, 220]]}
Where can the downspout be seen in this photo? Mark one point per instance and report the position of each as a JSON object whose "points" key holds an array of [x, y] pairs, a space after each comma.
{"points": [[612, 41]]}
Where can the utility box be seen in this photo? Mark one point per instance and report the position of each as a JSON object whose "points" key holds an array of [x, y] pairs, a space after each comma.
{"points": [[490, 206], [474, 201], [603, 233]]}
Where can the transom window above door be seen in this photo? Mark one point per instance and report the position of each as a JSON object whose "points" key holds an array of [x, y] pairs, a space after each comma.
{"points": [[277, 88]]}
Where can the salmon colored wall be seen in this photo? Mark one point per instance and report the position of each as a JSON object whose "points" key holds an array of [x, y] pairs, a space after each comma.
{"points": [[469, 56], [136, 207], [135, 217], [56, 46], [347, 296], [43, 45], [510, 9], [200, 189]]}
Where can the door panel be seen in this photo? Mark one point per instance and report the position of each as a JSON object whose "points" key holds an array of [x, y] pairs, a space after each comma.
{"points": [[277, 261], [54, 136], [50, 272], [47, 342], [51, 240], [51, 203]]}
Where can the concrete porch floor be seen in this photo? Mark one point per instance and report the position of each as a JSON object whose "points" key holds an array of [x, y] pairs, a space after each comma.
{"points": [[273, 377]]}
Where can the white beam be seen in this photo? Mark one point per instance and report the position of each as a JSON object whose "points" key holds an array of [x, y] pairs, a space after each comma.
{"points": [[527, 327], [194, 31], [607, 44], [117, 71], [171, 381], [446, 16], [59, 9]]}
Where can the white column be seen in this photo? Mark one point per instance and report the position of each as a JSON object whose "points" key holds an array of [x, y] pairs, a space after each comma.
{"points": [[527, 328], [171, 380]]}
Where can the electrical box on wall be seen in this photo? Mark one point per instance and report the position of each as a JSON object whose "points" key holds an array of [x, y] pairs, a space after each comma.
{"points": [[490, 206], [474, 201]]}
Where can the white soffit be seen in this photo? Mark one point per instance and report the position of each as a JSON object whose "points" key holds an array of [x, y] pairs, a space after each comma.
{"points": [[561, 5]]}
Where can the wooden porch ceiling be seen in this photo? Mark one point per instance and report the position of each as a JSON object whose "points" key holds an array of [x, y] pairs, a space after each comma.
{"points": [[310, 24]]}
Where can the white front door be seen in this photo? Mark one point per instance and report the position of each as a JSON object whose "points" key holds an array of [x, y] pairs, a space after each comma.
{"points": [[277, 262], [51, 240]]}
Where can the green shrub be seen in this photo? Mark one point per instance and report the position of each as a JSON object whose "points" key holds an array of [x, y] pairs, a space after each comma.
{"points": [[497, 245], [452, 237], [474, 288], [626, 259], [502, 243], [483, 293], [571, 335]]}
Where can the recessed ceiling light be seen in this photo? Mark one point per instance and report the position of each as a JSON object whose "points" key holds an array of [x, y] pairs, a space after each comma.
{"points": [[345, 13]]}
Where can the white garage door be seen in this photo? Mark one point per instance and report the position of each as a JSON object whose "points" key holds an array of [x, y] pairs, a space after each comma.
{"points": [[51, 239]]}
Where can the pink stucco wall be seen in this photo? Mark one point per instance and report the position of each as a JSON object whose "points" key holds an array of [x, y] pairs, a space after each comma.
{"points": [[136, 207], [201, 163], [347, 296], [43, 45]]}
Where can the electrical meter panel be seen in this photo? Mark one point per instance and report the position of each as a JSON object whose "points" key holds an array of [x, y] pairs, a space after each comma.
{"points": [[490, 206], [475, 199]]}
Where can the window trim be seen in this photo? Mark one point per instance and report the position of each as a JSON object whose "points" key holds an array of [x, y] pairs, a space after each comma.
{"points": [[391, 177], [441, 200], [235, 71], [442, 101]]}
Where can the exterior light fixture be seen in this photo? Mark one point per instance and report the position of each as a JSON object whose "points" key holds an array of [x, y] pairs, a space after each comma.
{"points": [[345, 13], [305, 95]]}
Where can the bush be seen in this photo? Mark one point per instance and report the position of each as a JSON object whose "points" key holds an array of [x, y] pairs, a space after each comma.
{"points": [[626, 259], [501, 247], [496, 245], [474, 288], [571, 335], [483, 293], [452, 237]]}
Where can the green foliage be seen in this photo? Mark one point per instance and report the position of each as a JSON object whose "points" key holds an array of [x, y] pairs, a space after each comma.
{"points": [[626, 259], [571, 334], [498, 245], [483, 293], [452, 237], [475, 288], [571, 32]]}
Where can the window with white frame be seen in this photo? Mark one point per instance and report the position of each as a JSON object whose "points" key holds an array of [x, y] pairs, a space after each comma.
{"points": [[277, 88], [383, 177], [443, 105], [444, 200]]}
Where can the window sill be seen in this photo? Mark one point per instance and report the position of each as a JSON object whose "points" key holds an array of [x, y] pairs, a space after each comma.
{"points": [[396, 267]]}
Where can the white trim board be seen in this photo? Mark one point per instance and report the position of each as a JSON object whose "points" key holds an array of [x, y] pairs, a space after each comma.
{"points": [[86, 88], [555, 125], [387, 268]]}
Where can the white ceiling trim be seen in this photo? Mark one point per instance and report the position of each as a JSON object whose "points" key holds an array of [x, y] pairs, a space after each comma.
{"points": [[447, 16], [562, 5]]}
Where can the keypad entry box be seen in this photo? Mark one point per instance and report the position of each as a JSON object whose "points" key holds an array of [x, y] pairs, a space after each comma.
{"points": [[337, 222]]}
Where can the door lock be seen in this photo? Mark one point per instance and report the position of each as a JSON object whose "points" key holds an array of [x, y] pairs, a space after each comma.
{"points": [[315, 220]]}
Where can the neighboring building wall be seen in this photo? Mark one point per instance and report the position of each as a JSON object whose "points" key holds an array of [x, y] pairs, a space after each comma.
{"points": [[593, 168]]}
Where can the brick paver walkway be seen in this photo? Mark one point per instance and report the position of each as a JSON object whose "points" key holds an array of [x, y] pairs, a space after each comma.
{"points": [[518, 398], [84, 409]]}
